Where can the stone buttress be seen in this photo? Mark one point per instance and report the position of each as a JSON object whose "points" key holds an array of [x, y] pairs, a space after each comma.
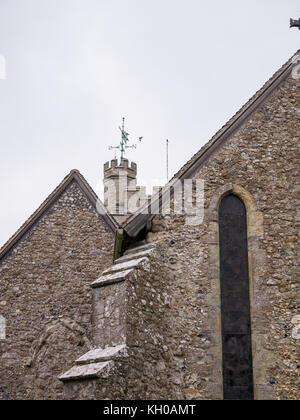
{"points": [[128, 319]]}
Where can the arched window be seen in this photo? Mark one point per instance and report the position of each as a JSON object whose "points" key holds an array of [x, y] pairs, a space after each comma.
{"points": [[235, 300]]}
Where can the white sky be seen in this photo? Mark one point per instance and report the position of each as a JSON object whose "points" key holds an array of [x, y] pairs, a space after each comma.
{"points": [[176, 69]]}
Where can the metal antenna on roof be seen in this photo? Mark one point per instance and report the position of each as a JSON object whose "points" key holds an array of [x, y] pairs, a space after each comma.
{"points": [[167, 147]]}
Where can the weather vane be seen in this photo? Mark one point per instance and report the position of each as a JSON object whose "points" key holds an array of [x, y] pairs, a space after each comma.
{"points": [[124, 140]]}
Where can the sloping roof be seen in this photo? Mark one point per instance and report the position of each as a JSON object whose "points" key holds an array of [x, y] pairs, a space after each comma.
{"points": [[76, 176], [143, 216]]}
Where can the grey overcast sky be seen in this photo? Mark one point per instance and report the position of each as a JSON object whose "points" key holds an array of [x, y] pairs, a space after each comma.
{"points": [[176, 69]]}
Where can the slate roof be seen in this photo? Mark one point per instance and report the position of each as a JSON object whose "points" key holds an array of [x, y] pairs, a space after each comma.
{"points": [[138, 221], [76, 176]]}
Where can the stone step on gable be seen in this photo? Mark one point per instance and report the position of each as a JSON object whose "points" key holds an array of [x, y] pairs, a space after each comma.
{"points": [[139, 253], [111, 278], [102, 355], [123, 266], [89, 371], [132, 263], [139, 248], [95, 363]]}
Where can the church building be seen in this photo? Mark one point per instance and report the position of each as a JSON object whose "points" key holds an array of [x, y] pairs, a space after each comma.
{"points": [[133, 299]]}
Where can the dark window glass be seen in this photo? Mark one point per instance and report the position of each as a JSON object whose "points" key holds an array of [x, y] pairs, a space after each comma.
{"points": [[235, 302]]}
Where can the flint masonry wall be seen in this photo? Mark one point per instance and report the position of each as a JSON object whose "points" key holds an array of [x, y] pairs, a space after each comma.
{"points": [[167, 310], [172, 303], [260, 162], [46, 299], [149, 328]]}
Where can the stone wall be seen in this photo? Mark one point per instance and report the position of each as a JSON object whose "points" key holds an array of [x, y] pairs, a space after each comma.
{"points": [[260, 163], [168, 352], [109, 313], [152, 364], [46, 299], [171, 299], [149, 329], [166, 307]]}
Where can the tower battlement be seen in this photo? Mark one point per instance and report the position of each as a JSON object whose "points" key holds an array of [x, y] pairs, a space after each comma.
{"points": [[120, 187], [119, 168]]}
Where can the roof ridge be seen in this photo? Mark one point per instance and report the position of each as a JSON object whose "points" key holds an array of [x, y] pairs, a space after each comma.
{"points": [[239, 112], [74, 174], [140, 217]]}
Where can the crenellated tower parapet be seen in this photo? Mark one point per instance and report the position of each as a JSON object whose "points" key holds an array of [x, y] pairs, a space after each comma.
{"points": [[115, 167], [122, 196]]}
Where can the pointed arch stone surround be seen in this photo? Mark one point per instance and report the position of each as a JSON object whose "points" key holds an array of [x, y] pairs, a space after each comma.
{"points": [[257, 263]]}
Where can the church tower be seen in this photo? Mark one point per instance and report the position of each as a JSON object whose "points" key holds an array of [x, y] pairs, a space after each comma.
{"points": [[122, 196]]}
